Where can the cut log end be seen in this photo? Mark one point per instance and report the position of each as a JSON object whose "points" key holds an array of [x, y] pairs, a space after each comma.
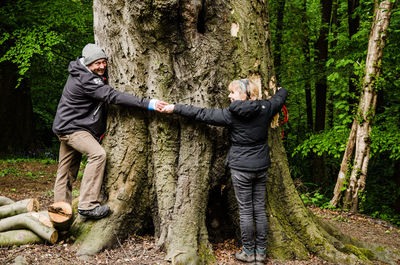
{"points": [[33, 205], [54, 237], [60, 214]]}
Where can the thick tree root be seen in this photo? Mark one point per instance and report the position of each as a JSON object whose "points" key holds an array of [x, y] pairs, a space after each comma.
{"points": [[363, 250], [24, 206], [18, 237], [39, 223]]}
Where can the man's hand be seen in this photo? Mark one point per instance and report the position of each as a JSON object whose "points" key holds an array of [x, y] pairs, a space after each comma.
{"points": [[160, 105], [168, 109]]}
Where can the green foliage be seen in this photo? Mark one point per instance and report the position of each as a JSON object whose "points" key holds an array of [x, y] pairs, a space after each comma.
{"points": [[40, 38], [316, 199], [27, 43], [381, 194], [332, 142], [345, 65], [75, 193], [9, 171], [340, 218], [45, 161]]}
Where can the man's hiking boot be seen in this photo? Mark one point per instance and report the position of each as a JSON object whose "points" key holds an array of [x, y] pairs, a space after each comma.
{"points": [[95, 213], [245, 255], [261, 254]]}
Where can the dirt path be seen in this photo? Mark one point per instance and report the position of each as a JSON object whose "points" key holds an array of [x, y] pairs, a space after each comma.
{"points": [[19, 180]]}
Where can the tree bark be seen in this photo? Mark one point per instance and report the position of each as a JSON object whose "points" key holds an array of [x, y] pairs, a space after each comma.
{"points": [[160, 169], [367, 104], [24, 206], [347, 157]]}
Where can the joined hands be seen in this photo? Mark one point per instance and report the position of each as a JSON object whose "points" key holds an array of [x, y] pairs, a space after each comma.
{"points": [[164, 107]]}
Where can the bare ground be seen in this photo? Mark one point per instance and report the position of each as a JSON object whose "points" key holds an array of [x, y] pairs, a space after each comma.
{"points": [[20, 180]]}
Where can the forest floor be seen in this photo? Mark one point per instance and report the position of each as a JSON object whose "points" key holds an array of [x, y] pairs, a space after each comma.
{"points": [[20, 180]]}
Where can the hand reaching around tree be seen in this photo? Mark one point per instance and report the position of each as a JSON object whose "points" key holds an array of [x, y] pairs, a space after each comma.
{"points": [[168, 109], [160, 105]]}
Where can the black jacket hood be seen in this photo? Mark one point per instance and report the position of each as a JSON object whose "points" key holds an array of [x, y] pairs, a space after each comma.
{"points": [[245, 108]]}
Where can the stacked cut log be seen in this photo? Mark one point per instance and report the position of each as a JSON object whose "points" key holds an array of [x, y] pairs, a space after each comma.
{"points": [[60, 214], [21, 223]]}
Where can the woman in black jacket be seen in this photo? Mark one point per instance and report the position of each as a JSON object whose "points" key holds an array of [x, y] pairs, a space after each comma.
{"points": [[248, 157]]}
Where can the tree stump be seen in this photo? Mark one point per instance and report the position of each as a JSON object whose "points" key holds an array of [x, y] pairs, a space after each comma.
{"points": [[61, 215]]}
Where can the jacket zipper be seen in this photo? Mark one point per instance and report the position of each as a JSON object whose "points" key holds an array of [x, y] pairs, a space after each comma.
{"points": [[97, 109]]}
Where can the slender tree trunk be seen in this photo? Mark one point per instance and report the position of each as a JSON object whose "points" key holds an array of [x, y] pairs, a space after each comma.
{"points": [[319, 171], [366, 108], [160, 168], [307, 55], [353, 19], [322, 55], [278, 41], [16, 113], [334, 32], [397, 181], [347, 157], [353, 24]]}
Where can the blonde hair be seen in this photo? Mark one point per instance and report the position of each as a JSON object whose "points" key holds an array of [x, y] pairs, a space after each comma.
{"points": [[250, 86]]}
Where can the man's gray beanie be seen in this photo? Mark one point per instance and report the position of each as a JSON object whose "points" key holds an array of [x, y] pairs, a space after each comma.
{"points": [[92, 53]]}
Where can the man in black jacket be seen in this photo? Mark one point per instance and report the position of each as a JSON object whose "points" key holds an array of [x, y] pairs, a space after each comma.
{"points": [[80, 123], [248, 157]]}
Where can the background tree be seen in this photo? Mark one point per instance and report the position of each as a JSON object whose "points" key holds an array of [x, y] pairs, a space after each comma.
{"points": [[362, 125], [166, 168], [346, 61]]}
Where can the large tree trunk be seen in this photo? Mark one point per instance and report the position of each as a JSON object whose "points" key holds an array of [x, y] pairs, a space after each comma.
{"points": [[360, 131], [160, 169]]}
